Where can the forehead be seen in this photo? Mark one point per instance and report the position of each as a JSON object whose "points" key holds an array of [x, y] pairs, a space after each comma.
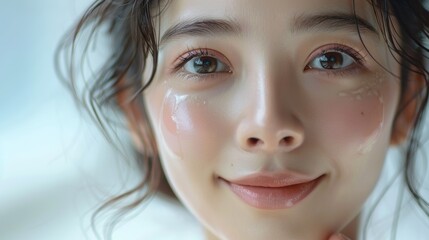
{"points": [[250, 13]]}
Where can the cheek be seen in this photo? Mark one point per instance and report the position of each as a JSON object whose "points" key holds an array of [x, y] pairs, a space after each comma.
{"points": [[191, 136], [352, 129], [189, 127], [356, 117], [355, 122]]}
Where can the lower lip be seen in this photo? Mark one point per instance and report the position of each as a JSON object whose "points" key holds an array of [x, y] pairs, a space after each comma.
{"points": [[273, 197]]}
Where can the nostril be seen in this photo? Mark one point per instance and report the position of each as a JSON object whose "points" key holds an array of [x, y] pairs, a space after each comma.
{"points": [[254, 141], [286, 141]]}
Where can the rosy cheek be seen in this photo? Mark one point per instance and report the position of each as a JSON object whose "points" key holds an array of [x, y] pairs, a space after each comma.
{"points": [[355, 117], [168, 126], [188, 126], [359, 120]]}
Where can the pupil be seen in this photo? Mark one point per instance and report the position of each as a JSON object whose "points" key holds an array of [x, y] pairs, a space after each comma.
{"points": [[205, 64], [331, 60]]}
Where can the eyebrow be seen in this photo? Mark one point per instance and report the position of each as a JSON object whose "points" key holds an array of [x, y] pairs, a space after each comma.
{"points": [[332, 21], [301, 23], [201, 27]]}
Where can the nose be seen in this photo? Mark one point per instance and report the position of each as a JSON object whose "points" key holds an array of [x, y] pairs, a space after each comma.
{"points": [[270, 136], [268, 122]]}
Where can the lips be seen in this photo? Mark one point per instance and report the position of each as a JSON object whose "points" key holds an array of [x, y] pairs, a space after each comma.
{"points": [[273, 191]]}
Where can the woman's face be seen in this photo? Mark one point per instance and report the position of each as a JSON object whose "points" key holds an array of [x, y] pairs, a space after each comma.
{"points": [[272, 119]]}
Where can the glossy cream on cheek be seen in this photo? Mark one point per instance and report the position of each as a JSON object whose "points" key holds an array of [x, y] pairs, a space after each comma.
{"points": [[351, 116], [372, 99], [168, 123], [187, 122]]}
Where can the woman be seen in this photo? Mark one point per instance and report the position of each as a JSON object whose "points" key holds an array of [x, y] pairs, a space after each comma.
{"points": [[271, 119]]}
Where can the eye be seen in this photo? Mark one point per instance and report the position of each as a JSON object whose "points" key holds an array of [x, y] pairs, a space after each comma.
{"points": [[331, 60], [205, 65]]}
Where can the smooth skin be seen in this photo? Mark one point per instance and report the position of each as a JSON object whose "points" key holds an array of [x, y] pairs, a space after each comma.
{"points": [[273, 92]]}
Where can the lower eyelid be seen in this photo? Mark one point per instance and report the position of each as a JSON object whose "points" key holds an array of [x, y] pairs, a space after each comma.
{"points": [[352, 70], [197, 82]]}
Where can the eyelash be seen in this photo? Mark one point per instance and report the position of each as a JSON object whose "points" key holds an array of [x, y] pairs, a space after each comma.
{"points": [[359, 60], [180, 63], [197, 52]]}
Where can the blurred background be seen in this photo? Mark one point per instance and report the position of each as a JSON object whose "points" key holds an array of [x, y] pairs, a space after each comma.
{"points": [[55, 166]]}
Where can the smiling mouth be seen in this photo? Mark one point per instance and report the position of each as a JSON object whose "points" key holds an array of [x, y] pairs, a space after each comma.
{"points": [[272, 192]]}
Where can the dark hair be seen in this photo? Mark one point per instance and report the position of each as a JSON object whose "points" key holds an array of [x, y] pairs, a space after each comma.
{"points": [[131, 26]]}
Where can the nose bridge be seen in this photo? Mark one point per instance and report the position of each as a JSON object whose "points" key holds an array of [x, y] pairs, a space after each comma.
{"points": [[274, 89], [268, 102], [270, 124]]}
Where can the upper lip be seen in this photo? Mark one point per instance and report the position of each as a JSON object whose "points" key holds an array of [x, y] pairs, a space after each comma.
{"points": [[281, 179]]}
